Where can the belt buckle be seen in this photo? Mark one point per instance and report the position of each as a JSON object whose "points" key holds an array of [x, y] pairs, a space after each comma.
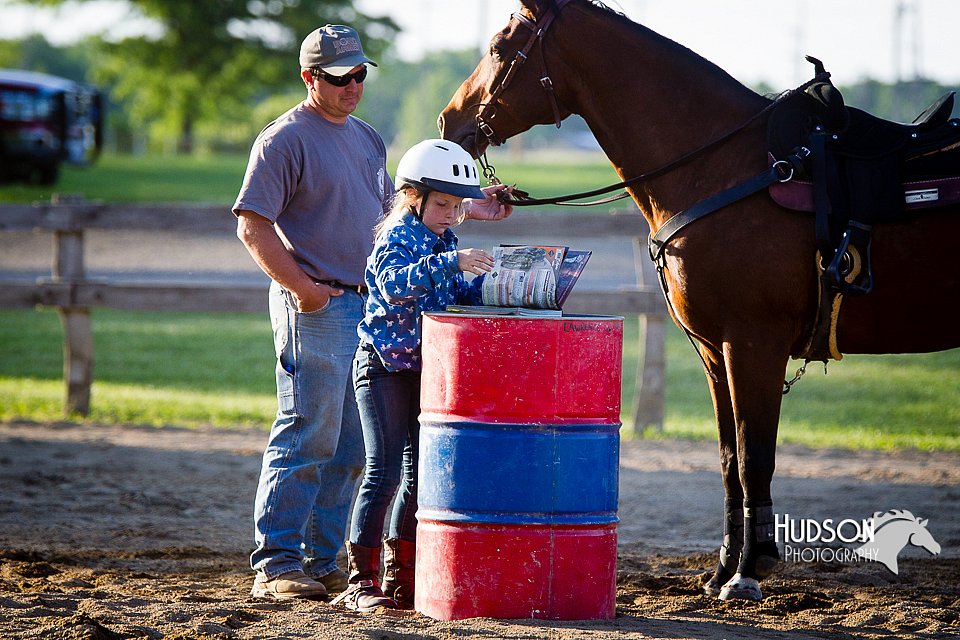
{"points": [[358, 288]]}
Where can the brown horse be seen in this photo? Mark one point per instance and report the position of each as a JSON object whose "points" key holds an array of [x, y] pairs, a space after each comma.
{"points": [[743, 281]]}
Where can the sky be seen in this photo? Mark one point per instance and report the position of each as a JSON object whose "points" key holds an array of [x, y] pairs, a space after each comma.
{"points": [[753, 40]]}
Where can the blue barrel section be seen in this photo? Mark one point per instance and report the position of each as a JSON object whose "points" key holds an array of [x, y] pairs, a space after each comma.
{"points": [[520, 474]]}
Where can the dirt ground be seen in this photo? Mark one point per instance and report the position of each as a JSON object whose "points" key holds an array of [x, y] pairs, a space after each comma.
{"points": [[110, 532]]}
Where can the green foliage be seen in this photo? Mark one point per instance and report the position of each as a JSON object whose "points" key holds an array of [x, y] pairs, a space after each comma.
{"points": [[404, 99], [901, 102], [36, 54], [212, 60]]}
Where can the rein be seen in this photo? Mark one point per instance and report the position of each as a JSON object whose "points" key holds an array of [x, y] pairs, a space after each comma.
{"points": [[649, 175]]}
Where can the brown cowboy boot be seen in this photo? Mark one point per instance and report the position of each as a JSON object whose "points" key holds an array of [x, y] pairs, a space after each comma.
{"points": [[363, 594], [399, 557]]}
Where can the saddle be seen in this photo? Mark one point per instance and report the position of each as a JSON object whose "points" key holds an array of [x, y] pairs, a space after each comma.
{"points": [[859, 170]]}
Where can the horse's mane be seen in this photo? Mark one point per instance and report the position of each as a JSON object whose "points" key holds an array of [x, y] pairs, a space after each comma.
{"points": [[601, 5], [679, 50], [881, 519]]}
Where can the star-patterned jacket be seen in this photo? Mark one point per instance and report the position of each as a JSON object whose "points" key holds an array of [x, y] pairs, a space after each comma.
{"points": [[411, 270]]}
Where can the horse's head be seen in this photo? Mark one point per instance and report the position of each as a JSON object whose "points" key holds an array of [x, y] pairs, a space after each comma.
{"points": [[905, 528], [511, 89], [921, 537], [892, 531]]}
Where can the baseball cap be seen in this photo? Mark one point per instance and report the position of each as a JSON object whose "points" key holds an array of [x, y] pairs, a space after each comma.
{"points": [[333, 48]]}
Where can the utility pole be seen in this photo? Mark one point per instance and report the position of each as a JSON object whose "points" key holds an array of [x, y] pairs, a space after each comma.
{"points": [[907, 27], [800, 68], [917, 41], [482, 35]]}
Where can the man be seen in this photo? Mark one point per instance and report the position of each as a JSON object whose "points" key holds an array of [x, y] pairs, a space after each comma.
{"points": [[315, 186]]}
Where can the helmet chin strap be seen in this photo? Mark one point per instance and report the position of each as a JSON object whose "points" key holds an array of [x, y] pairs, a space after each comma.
{"points": [[418, 210]]}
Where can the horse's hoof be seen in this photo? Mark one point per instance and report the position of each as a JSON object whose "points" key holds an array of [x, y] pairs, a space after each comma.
{"points": [[740, 588], [711, 589], [713, 586]]}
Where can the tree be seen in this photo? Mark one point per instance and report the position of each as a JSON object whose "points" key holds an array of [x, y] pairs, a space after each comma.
{"points": [[36, 54], [404, 98], [902, 101], [213, 59]]}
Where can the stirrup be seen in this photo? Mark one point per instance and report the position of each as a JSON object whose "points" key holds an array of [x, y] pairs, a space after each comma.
{"points": [[848, 267]]}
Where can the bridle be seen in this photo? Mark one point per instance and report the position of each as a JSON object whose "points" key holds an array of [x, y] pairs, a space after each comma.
{"points": [[488, 110], [538, 30]]}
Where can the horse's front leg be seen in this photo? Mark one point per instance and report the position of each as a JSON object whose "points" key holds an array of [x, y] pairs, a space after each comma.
{"points": [[755, 370], [733, 501]]}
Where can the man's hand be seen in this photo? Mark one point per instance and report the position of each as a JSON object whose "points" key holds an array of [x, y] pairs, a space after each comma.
{"points": [[268, 251], [315, 298], [490, 208]]}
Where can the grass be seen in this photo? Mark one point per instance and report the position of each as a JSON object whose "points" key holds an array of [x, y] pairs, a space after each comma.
{"points": [[882, 402], [142, 179], [217, 369], [150, 368]]}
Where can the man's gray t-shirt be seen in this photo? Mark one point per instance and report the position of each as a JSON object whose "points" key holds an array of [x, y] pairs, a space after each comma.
{"points": [[324, 186]]}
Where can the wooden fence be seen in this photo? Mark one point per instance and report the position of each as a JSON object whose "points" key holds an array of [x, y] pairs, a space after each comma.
{"points": [[73, 294]]}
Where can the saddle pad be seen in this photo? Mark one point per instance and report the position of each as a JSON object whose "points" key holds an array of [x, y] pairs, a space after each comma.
{"points": [[923, 194]]}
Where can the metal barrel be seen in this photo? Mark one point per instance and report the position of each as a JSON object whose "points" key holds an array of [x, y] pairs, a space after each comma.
{"points": [[519, 467]]}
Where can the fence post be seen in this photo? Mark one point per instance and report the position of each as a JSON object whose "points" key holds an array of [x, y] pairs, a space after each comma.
{"points": [[68, 268], [648, 397]]}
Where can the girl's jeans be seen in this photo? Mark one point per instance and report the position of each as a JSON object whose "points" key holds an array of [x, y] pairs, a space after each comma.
{"points": [[389, 405], [314, 453]]}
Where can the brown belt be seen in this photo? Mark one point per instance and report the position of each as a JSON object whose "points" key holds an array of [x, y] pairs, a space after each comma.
{"points": [[359, 288]]}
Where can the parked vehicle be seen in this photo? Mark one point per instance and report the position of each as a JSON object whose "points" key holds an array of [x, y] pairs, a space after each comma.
{"points": [[46, 120]]}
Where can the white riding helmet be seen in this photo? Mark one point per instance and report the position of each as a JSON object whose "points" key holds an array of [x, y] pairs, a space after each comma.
{"points": [[439, 165]]}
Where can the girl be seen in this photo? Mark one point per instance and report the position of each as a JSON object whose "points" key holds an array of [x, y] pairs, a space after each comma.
{"points": [[415, 267]]}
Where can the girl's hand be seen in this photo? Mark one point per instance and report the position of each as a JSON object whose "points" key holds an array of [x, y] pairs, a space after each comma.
{"points": [[475, 261], [490, 208]]}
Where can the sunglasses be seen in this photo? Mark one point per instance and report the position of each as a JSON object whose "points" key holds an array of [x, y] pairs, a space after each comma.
{"points": [[341, 81]]}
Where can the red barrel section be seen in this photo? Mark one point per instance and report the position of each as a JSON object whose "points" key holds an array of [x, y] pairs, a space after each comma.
{"points": [[510, 368]]}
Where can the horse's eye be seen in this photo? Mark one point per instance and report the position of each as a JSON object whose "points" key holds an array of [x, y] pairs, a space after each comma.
{"points": [[496, 52]]}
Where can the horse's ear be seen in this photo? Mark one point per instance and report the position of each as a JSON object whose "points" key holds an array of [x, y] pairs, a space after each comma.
{"points": [[924, 522], [536, 7]]}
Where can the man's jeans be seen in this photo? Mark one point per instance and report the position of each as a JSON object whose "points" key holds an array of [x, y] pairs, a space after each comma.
{"points": [[315, 451], [390, 409]]}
